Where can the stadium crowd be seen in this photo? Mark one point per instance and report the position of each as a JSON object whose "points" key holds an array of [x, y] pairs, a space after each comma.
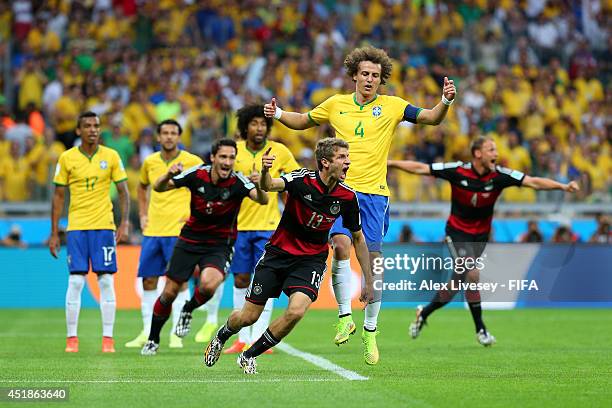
{"points": [[534, 77]]}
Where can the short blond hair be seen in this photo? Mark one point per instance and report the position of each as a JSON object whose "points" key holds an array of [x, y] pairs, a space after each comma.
{"points": [[479, 142], [326, 149]]}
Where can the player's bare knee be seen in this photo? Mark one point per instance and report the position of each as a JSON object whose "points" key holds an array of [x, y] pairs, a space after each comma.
{"points": [[242, 280], [208, 289], [342, 247], [248, 318], [150, 283], [295, 312], [473, 276]]}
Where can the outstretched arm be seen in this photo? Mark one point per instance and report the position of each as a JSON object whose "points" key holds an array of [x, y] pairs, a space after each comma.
{"points": [[410, 166], [293, 120], [542, 183], [435, 115]]}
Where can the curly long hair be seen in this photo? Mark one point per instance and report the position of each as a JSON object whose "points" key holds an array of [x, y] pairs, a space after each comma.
{"points": [[246, 114], [368, 53]]}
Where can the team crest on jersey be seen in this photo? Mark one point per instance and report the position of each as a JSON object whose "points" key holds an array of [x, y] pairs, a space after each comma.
{"points": [[225, 194], [103, 164], [377, 111], [335, 208], [257, 289]]}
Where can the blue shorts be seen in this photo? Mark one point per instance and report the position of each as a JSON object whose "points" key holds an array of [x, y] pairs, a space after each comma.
{"points": [[374, 210], [248, 249], [97, 246], [155, 253]]}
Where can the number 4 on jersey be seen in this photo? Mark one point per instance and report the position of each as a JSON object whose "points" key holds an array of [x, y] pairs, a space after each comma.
{"points": [[359, 130]]}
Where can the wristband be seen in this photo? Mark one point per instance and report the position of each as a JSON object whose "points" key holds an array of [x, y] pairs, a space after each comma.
{"points": [[278, 113], [445, 101]]}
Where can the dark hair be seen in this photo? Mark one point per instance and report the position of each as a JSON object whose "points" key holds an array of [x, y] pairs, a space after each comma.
{"points": [[326, 149], [88, 114], [369, 53], [169, 122], [478, 142], [223, 142], [247, 114]]}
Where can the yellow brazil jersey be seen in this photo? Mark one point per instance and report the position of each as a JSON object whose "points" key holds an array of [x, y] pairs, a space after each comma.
{"points": [[89, 180], [252, 216], [369, 130], [167, 211]]}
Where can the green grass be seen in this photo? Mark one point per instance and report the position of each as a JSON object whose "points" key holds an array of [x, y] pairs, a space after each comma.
{"points": [[542, 358]]}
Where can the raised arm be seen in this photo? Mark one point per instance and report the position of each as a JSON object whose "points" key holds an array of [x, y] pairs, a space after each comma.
{"points": [[542, 183], [410, 166], [57, 206], [165, 183], [268, 183], [293, 120], [435, 115]]}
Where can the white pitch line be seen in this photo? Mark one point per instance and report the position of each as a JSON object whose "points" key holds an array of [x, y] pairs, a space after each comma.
{"points": [[185, 381], [321, 362]]}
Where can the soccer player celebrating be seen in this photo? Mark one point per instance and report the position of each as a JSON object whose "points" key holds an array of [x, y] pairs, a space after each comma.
{"points": [[256, 223], [161, 219], [294, 260], [208, 236], [475, 189], [87, 171], [367, 121]]}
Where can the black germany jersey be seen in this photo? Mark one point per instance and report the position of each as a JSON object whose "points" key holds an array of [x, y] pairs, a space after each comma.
{"points": [[214, 207], [474, 195], [310, 212]]}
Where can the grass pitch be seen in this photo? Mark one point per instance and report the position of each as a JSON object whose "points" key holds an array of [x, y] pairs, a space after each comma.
{"points": [[544, 357]]}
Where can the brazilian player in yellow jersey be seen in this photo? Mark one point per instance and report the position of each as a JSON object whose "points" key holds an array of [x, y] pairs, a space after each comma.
{"points": [[87, 171], [162, 216], [256, 223], [367, 121]]}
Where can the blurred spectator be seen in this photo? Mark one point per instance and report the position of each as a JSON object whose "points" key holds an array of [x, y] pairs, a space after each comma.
{"points": [[406, 235], [533, 233], [31, 81], [564, 234], [603, 234], [64, 114], [145, 146], [38, 159], [117, 139], [15, 176], [19, 132], [13, 239], [537, 68]]}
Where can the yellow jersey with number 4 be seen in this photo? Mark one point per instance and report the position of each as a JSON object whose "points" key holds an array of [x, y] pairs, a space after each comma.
{"points": [[169, 210], [369, 130], [89, 179], [253, 216]]}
